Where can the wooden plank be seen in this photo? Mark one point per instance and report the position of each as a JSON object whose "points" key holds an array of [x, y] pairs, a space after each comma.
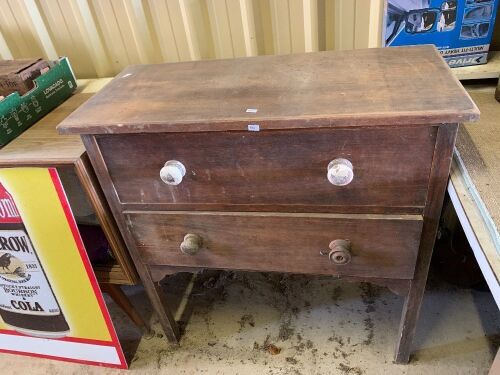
{"points": [[475, 195], [285, 90], [474, 184], [41, 144], [476, 229], [488, 70], [478, 154]]}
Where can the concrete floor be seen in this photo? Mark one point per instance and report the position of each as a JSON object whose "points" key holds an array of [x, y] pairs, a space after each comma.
{"points": [[255, 323]]}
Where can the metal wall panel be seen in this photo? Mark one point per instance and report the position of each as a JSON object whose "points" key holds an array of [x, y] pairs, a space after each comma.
{"points": [[101, 37]]}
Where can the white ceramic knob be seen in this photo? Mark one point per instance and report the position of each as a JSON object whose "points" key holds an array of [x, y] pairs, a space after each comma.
{"points": [[340, 172], [192, 244], [172, 172]]}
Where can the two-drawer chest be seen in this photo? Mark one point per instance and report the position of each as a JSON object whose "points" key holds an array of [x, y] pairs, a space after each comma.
{"points": [[331, 163]]}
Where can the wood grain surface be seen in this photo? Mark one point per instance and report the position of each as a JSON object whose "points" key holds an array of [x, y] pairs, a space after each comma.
{"points": [[392, 112], [90, 185], [478, 147], [284, 170], [152, 288], [404, 85], [280, 242], [41, 144], [440, 171]]}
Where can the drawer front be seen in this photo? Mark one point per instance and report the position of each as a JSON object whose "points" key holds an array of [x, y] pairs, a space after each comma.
{"points": [[379, 246], [277, 171]]}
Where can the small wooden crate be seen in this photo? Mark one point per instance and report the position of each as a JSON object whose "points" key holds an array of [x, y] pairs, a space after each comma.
{"points": [[18, 75]]}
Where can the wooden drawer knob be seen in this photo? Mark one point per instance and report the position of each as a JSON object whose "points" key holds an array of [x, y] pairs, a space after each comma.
{"points": [[340, 253], [340, 172], [172, 172], [192, 244]]}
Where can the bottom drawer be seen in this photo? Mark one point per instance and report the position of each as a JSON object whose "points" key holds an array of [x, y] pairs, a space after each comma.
{"points": [[383, 246]]}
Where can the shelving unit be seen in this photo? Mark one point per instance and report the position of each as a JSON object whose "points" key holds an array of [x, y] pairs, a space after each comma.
{"points": [[485, 71]]}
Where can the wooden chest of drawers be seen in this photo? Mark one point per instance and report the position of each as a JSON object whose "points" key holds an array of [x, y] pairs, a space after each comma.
{"points": [[330, 163]]}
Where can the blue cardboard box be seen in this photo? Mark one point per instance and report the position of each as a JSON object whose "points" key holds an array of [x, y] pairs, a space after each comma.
{"points": [[461, 30]]}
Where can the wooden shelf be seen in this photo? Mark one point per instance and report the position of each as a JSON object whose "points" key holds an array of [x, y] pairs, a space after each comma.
{"points": [[42, 146], [484, 71], [474, 184]]}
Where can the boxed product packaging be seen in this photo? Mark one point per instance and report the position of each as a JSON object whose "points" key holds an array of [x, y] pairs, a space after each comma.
{"points": [[54, 84], [460, 29]]}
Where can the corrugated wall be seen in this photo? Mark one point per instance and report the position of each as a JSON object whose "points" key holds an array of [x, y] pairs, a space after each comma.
{"points": [[101, 37]]}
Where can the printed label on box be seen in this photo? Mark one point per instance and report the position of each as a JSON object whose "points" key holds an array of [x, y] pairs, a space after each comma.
{"points": [[456, 27]]}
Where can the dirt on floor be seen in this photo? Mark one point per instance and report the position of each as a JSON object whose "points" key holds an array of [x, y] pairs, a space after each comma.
{"points": [[269, 323]]}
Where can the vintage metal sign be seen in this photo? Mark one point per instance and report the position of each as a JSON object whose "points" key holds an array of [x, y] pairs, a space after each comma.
{"points": [[50, 302]]}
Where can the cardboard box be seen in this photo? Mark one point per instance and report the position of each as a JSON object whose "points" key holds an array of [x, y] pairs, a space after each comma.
{"points": [[18, 113], [461, 29], [18, 75]]}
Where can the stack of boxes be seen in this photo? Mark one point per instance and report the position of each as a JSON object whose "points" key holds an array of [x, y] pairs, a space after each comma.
{"points": [[29, 89]]}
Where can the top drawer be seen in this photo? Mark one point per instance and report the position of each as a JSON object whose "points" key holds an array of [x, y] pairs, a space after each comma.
{"points": [[274, 170]]}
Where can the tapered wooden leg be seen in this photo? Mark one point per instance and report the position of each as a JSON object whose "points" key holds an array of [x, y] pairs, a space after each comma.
{"points": [[158, 300], [408, 323], [437, 186], [116, 293]]}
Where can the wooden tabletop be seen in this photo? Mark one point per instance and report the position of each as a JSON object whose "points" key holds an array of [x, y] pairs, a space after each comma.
{"points": [[474, 185], [41, 144], [478, 152], [402, 85]]}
